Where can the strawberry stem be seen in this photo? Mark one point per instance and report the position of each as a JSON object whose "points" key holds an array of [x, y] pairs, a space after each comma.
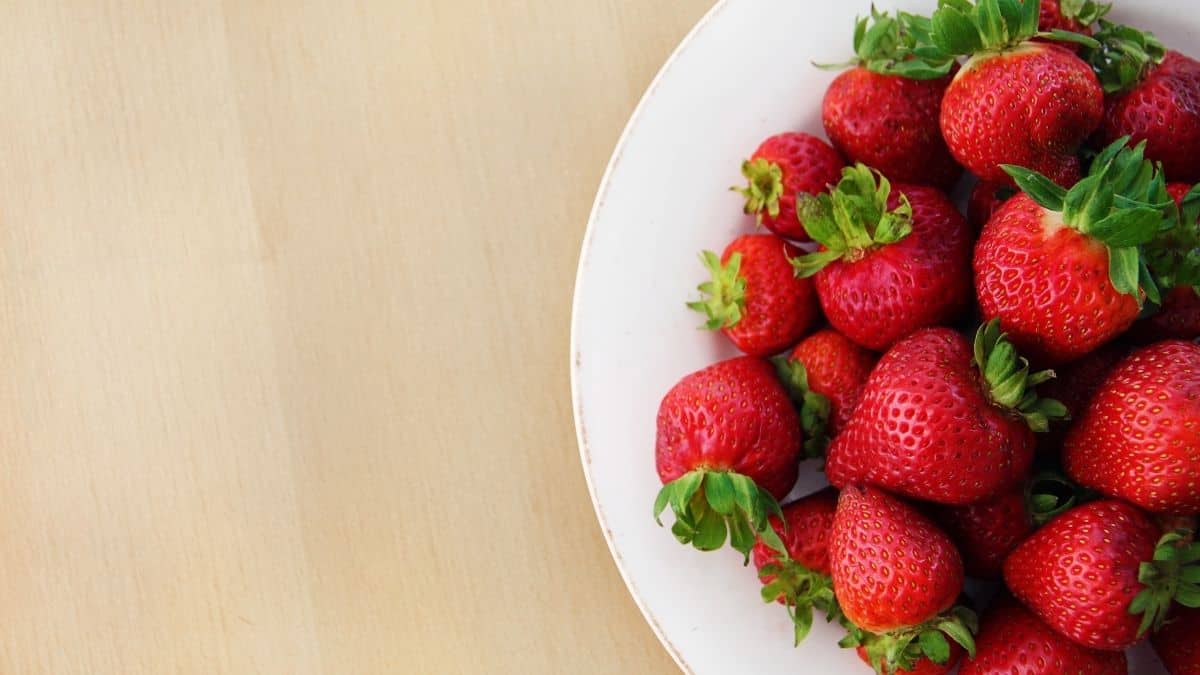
{"points": [[900, 650], [802, 590], [1010, 385], [710, 505], [764, 187], [726, 291]]}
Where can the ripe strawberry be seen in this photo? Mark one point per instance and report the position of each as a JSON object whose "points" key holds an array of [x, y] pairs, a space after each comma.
{"points": [[783, 166], [912, 242], [727, 448], [1014, 101], [923, 665], [1090, 572], [883, 112], [987, 531], [825, 375], [935, 425], [1062, 270], [1011, 640], [1072, 15], [1074, 387], [896, 576], [1177, 318], [1154, 95], [1176, 642], [754, 298], [1174, 261], [800, 580], [986, 198], [1139, 439]]}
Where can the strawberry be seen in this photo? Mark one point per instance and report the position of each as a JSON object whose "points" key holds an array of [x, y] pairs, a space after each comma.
{"points": [[1074, 387], [753, 296], [1174, 261], [1062, 269], [883, 112], [825, 375], [800, 579], [784, 165], [1075, 16], [1013, 641], [911, 241], [935, 425], [1139, 439], [986, 198], [896, 576], [1154, 95], [923, 665], [727, 448], [1090, 572], [1176, 642], [1014, 101], [987, 531], [1177, 318]]}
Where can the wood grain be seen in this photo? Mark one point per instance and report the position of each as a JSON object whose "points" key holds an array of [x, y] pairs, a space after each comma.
{"points": [[284, 300]]}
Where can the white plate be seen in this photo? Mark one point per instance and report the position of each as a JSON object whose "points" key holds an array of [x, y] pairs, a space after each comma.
{"points": [[742, 74]]}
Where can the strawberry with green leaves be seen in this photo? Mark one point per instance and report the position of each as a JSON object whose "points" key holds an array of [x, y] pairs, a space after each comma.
{"points": [[800, 578], [754, 298], [1139, 438], [883, 111], [910, 240], [1102, 576], [825, 375], [1075, 16], [1014, 101], [782, 167], [1174, 262], [1012, 640], [896, 577], [1064, 270], [727, 449], [944, 422]]}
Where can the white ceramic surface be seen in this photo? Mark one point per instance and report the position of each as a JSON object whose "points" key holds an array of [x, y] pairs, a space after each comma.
{"points": [[742, 74]]}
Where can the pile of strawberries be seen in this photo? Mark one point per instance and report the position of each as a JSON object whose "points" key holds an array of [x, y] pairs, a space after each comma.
{"points": [[1013, 395]]}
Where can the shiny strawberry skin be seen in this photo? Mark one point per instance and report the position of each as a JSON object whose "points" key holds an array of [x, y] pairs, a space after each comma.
{"points": [[809, 521], [1079, 572], [809, 165], [1178, 643], [924, 428], [923, 665], [733, 415], [837, 369], [986, 532], [1048, 284], [1164, 110], [890, 123], [1032, 106], [1140, 437], [891, 291], [779, 308], [892, 567], [1013, 641]]}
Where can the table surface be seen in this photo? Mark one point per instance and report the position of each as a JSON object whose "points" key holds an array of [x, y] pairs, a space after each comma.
{"points": [[284, 298]]}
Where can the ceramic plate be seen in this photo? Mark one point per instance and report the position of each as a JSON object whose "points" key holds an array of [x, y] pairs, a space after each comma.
{"points": [[742, 74]]}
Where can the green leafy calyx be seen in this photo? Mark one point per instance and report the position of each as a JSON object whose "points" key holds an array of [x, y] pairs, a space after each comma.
{"points": [[1008, 382], [1174, 256], [963, 27], [897, 45], [1123, 203], [764, 187], [724, 294], [1050, 494], [711, 505], [1084, 12], [1172, 575], [802, 590], [814, 408], [900, 650], [1123, 55], [852, 219]]}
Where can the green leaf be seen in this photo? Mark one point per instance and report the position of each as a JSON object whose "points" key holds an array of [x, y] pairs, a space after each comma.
{"points": [[718, 488], [1041, 189], [1132, 227], [991, 22], [960, 632], [710, 531], [934, 645], [1187, 596], [802, 620], [771, 538], [1123, 270], [725, 291], [1060, 35], [686, 487], [745, 495], [660, 502], [954, 32], [1030, 15], [809, 264], [764, 187]]}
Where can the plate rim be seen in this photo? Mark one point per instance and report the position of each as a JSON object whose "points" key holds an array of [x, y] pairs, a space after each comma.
{"points": [[575, 355]]}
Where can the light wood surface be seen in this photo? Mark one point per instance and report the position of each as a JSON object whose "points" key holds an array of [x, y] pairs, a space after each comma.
{"points": [[284, 301]]}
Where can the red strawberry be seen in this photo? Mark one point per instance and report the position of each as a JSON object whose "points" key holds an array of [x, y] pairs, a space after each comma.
{"points": [[727, 448], [912, 242], [1074, 387], [1014, 642], [1178, 318], [754, 297], [1174, 259], [986, 532], [1013, 102], [800, 580], [923, 665], [896, 576], [986, 198], [1140, 437], [1161, 107], [825, 375], [883, 112], [783, 166], [1076, 17], [1177, 644], [935, 425], [1090, 572], [1062, 269]]}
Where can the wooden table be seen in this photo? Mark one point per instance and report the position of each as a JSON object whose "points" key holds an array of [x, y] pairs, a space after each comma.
{"points": [[284, 300]]}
